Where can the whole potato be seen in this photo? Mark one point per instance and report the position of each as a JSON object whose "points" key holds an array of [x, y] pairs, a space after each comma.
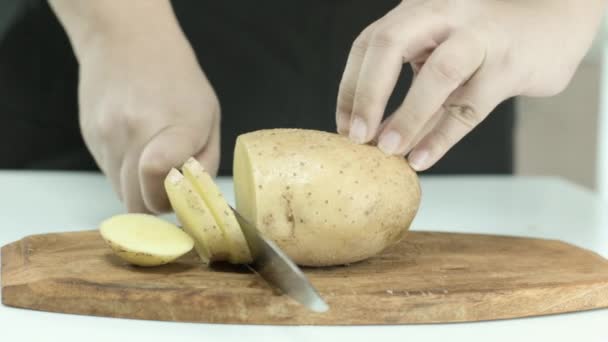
{"points": [[323, 199]]}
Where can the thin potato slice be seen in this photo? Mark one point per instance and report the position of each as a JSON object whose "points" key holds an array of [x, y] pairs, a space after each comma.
{"points": [[145, 240], [209, 191], [244, 184], [196, 218]]}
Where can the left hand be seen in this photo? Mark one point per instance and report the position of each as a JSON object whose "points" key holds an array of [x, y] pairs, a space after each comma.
{"points": [[468, 56]]}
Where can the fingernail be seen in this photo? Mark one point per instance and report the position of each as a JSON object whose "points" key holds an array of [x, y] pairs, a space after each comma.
{"points": [[418, 159], [389, 142], [358, 131]]}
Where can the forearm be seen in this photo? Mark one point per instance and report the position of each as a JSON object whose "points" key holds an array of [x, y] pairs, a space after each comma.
{"points": [[147, 22]]}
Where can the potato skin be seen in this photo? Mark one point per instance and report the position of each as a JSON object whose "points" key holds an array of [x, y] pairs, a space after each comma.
{"points": [[139, 258], [323, 199]]}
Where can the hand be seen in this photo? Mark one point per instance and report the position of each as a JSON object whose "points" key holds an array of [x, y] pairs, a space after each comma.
{"points": [[145, 104], [145, 107], [467, 56]]}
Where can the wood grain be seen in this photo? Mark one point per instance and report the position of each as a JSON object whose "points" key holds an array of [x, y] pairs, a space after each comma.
{"points": [[429, 277]]}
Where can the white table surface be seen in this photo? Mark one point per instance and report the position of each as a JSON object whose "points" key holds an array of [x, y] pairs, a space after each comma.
{"points": [[42, 202]]}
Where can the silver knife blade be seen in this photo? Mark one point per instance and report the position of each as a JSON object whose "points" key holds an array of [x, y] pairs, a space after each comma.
{"points": [[272, 264]]}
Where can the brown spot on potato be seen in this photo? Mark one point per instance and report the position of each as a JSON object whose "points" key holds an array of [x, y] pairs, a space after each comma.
{"points": [[287, 196], [268, 220]]}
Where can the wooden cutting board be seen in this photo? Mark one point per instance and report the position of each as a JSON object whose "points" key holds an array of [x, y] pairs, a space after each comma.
{"points": [[429, 277]]}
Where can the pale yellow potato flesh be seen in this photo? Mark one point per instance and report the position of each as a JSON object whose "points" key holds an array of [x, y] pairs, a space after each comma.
{"points": [[210, 192], [196, 218], [145, 240], [323, 199]]}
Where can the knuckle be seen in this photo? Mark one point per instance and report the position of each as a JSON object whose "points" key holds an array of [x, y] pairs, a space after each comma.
{"points": [[364, 103], [107, 124], [385, 37], [347, 93], [155, 163], [359, 46], [440, 141], [133, 121], [363, 38], [446, 70], [465, 114], [507, 60]]}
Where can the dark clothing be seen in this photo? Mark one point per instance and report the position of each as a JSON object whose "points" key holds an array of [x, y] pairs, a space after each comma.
{"points": [[272, 64]]}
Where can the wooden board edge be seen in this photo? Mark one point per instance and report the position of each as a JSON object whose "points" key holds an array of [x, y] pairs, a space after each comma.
{"points": [[12, 252], [91, 299]]}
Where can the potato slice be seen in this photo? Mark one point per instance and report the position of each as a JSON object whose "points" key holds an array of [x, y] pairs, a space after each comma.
{"points": [[145, 240], [196, 218], [209, 191]]}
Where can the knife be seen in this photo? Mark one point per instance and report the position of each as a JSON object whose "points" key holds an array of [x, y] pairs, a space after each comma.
{"points": [[274, 266]]}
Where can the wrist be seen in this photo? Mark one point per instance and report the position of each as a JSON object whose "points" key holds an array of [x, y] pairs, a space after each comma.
{"points": [[118, 24]]}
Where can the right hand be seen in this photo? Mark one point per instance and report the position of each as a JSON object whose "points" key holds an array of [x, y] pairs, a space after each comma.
{"points": [[145, 107]]}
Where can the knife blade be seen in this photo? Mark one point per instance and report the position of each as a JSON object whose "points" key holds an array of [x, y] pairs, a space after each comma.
{"points": [[274, 266]]}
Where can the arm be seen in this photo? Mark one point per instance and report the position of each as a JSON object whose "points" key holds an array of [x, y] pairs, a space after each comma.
{"points": [[123, 22]]}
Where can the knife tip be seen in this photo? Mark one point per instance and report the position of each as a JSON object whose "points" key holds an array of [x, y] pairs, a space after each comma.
{"points": [[319, 306]]}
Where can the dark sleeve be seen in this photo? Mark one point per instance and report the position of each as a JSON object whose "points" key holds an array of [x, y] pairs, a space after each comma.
{"points": [[9, 12], [38, 88]]}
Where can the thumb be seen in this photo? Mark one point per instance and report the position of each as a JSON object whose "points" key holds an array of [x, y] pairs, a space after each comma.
{"points": [[167, 149]]}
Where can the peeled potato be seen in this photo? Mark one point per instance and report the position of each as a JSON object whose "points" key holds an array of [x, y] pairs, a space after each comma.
{"points": [[145, 240], [323, 199], [209, 191], [196, 218]]}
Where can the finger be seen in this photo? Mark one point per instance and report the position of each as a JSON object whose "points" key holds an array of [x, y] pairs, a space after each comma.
{"points": [[464, 110], [167, 149], [209, 157], [389, 47], [111, 168], [348, 84], [448, 67], [417, 63], [428, 126], [129, 181]]}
